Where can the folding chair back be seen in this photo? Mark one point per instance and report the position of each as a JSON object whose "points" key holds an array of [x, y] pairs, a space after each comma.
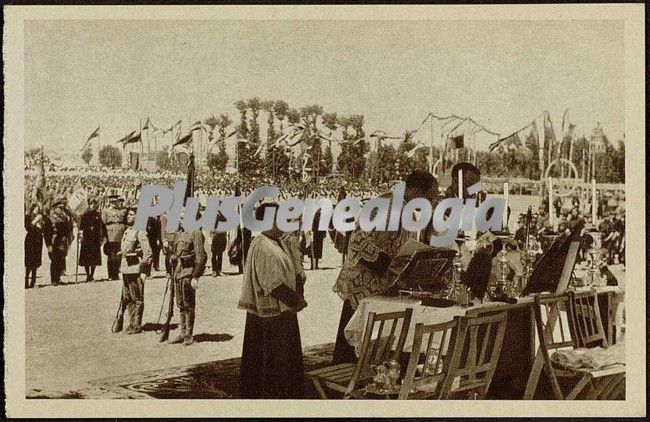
{"points": [[383, 340], [433, 362], [585, 314], [476, 353]]}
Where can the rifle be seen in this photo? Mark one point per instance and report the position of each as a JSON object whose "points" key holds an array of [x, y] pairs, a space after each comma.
{"points": [[164, 334], [119, 317]]}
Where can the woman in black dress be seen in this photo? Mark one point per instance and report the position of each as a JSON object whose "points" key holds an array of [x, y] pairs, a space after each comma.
{"points": [[34, 222], [272, 295], [93, 233]]}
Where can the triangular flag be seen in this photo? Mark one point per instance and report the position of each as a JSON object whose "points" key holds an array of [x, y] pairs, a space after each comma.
{"points": [[93, 135], [126, 138], [132, 139], [184, 140]]}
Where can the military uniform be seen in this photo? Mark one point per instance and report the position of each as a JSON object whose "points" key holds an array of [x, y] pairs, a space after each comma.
{"points": [[189, 260], [137, 258], [58, 236], [167, 243], [115, 221]]}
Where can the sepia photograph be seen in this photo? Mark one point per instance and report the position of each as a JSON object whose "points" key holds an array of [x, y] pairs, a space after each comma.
{"points": [[451, 217]]}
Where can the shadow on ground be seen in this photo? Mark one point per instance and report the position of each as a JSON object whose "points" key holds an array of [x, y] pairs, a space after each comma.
{"points": [[205, 337], [154, 326]]}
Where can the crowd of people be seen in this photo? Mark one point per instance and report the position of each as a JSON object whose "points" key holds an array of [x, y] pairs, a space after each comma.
{"points": [[271, 262]]}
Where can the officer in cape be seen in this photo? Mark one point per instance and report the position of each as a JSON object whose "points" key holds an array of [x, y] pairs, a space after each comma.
{"points": [[137, 256]]}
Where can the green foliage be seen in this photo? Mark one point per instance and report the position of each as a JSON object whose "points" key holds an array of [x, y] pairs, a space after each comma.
{"points": [[110, 156]]}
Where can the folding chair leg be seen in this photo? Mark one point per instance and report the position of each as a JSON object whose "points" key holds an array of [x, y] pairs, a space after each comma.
{"points": [[607, 392], [319, 388], [617, 390], [579, 387], [602, 386], [533, 378]]}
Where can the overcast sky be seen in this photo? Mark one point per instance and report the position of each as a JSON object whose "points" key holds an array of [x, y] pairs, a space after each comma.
{"points": [[79, 74]]}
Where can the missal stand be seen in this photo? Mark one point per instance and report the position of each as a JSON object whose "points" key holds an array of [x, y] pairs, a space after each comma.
{"points": [[424, 272]]}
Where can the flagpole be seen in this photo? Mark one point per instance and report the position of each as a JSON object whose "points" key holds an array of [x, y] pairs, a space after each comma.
{"points": [[141, 148], [431, 133], [99, 145], [148, 141]]}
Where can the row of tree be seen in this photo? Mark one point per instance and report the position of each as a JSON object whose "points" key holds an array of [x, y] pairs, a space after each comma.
{"points": [[390, 161]]}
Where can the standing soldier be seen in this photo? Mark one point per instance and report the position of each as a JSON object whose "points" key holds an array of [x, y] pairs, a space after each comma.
{"points": [[167, 238], [114, 218], [137, 259], [57, 235], [189, 260], [218, 247]]}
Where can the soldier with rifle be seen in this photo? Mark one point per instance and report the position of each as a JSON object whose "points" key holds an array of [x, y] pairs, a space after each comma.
{"points": [[188, 260], [137, 256], [114, 220]]}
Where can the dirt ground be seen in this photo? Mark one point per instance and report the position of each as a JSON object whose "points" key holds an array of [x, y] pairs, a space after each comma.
{"points": [[68, 339]]}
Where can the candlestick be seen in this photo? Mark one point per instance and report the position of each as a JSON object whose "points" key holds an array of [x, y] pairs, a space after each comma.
{"points": [[594, 206], [460, 183], [506, 193]]}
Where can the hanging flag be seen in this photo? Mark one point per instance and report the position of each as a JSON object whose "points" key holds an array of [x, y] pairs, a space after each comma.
{"points": [[551, 140], [189, 189], [197, 126], [131, 139], [93, 135], [292, 137], [184, 140], [127, 137], [381, 135], [510, 142], [410, 153], [458, 141], [41, 181], [78, 201]]}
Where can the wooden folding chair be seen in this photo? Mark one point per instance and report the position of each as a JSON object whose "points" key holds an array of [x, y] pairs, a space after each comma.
{"points": [[593, 384], [585, 315], [377, 347], [476, 353], [426, 370]]}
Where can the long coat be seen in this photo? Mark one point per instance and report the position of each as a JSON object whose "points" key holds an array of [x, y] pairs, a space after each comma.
{"points": [[94, 231], [33, 242], [318, 238]]}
